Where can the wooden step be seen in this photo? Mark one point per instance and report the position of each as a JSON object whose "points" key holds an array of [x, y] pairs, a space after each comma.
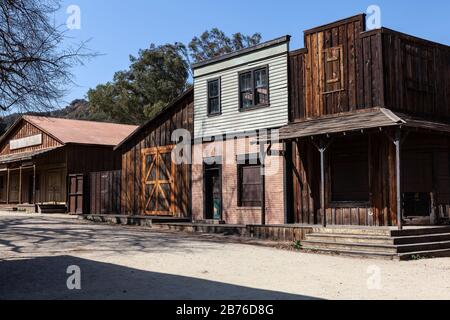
{"points": [[369, 242], [350, 238], [425, 238], [342, 246], [353, 231], [52, 208], [419, 231], [421, 247], [359, 254]]}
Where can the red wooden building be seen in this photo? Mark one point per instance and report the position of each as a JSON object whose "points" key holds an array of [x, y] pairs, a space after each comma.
{"points": [[43, 161]]}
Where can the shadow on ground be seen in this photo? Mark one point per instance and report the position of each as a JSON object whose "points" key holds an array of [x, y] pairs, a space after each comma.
{"points": [[45, 278], [30, 235]]}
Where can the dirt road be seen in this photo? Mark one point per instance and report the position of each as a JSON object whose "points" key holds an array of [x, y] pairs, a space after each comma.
{"points": [[133, 263]]}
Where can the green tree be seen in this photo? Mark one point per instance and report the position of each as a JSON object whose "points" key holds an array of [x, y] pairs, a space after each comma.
{"points": [[156, 77], [215, 43]]}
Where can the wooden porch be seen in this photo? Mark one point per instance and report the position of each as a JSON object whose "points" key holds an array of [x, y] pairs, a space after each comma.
{"points": [[369, 168]]}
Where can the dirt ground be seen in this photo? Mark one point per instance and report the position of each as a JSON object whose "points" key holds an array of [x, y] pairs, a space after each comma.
{"points": [[118, 262]]}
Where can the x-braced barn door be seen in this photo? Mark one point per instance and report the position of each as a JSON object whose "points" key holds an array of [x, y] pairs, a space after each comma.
{"points": [[158, 184]]}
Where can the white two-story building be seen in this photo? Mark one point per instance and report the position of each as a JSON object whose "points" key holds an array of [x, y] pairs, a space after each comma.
{"points": [[239, 97]]}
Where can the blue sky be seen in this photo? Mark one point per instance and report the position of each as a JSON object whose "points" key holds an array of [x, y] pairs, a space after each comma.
{"points": [[118, 28]]}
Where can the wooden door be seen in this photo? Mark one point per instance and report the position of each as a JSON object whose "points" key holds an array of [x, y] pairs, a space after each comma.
{"points": [[158, 181], [213, 192], [54, 186], [14, 188], [417, 183], [76, 194], [2, 188]]}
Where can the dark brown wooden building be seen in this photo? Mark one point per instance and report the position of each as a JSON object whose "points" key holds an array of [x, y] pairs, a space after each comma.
{"points": [[43, 161], [151, 184], [369, 133]]}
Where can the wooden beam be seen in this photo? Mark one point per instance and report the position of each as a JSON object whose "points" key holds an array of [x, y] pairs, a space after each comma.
{"points": [[34, 184], [322, 148], [7, 187], [20, 185], [262, 152], [398, 142]]}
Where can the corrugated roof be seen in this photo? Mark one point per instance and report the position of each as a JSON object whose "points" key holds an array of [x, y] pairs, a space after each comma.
{"points": [[360, 120], [82, 132]]}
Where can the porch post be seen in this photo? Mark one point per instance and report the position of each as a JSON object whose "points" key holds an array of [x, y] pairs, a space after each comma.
{"points": [[34, 184], [263, 183], [20, 184], [322, 147], [7, 188], [397, 142], [322, 184]]}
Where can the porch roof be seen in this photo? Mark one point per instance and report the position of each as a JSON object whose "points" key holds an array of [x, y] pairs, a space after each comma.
{"points": [[24, 156], [355, 121]]}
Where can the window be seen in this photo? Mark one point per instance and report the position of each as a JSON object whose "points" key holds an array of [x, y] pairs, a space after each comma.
{"points": [[249, 185], [350, 170], [214, 97], [254, 88]]}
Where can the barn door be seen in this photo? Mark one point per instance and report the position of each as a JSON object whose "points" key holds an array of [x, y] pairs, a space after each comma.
{"points": [[158, 184]]}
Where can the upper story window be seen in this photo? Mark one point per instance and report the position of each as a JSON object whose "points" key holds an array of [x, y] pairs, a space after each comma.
{"points": [[254, 88], [214, 97]]}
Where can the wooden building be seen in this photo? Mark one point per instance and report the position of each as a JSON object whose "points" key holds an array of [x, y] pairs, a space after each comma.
{"points": [[369, 135], [152, 185], [43, 161]]}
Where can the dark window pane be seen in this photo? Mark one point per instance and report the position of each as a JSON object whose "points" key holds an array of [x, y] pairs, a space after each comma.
{"points": [[246, 99], [261, 78], [214, 105], [213, 88], [246, 82], [262, 96]]}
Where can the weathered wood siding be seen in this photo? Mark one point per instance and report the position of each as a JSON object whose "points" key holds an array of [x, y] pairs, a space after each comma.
{"points": [[416, 75], [104, 188], [84, 159], [26, 129], [157, 133], [232, 120], [315, 94], [378, 68]]}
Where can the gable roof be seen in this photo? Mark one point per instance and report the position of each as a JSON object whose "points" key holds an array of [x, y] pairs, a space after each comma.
{"points": [[173, 104], [231, 55], [68, 131]]}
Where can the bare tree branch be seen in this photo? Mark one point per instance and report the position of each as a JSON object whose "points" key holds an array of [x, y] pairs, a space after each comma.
{"points": [[35, 62]]}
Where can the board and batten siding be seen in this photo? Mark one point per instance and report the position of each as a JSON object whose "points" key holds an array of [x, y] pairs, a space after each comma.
{"points": [[232, 120]]}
